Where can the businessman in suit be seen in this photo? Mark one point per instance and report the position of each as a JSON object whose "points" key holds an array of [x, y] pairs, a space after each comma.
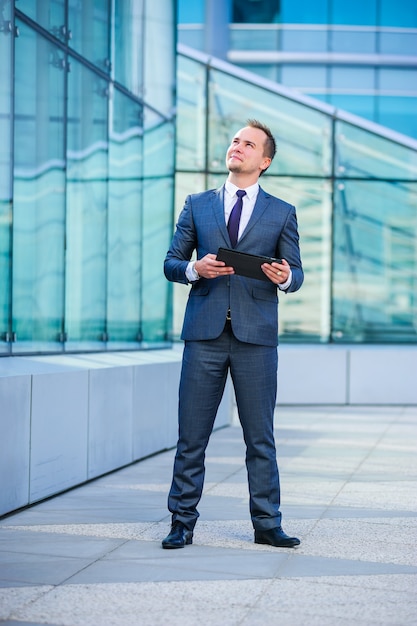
{"points": [[231, 324]]}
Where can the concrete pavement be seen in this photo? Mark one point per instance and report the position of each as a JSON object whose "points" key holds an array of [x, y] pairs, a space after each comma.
{"points": [[92, 556]]}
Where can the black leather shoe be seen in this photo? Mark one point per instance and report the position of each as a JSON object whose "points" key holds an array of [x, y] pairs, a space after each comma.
{"points": [[179, 536], [276, 537]]}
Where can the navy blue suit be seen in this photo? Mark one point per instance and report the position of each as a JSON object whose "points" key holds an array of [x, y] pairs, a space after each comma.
{"points": [[248, 349]]}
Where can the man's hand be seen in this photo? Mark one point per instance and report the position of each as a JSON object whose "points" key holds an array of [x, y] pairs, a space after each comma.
{"points": [[277, 272], [209, 267]]}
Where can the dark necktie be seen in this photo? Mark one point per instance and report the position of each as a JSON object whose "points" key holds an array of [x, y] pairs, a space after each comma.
{"points": [[234, 219]]}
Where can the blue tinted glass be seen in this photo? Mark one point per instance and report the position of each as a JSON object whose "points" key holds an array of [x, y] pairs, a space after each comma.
{"points": [[39, 193], [304, 12], [260, 11], [398, 113], [128, 44], [355, 12], [86, 206], [305, 39], [352, 78], [191, 11], [375, 247], [50, 14], [261, 38], [6, 42], [354, 41], [125, 221], [159, 57], [399, 13], [304, 76], [364, 106], [88, 22]]}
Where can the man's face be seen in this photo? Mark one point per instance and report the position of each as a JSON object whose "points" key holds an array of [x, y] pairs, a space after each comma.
{"points": [[245, 154]]}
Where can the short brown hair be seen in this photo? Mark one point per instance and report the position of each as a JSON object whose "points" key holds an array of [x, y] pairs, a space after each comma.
{"points": [[270, 143]]}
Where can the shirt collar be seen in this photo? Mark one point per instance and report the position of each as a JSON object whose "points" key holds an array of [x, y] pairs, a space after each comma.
{"points": [[251, 191]]}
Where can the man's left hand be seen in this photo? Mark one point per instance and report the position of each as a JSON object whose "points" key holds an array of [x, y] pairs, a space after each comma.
{"points": [[277, 272]]}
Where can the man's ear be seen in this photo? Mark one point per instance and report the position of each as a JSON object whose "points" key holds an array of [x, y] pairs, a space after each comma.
{"points": [[267, 163]]}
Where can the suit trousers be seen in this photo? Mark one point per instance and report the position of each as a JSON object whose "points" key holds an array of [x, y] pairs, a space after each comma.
{"points": [[253, 370]]}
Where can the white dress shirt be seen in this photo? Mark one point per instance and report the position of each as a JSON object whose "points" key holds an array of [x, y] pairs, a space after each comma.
{"points": [[230, 199]]}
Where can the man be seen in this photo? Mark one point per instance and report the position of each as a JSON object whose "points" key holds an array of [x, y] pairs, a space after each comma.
{"points": [[231, 324]]}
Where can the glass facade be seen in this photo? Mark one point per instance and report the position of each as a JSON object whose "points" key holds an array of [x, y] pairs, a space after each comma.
{"points": [[355, 189], [357, 56], [87, 169]]}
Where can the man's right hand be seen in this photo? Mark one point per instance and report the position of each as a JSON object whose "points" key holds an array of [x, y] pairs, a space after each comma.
{"points": [[209, 267]]}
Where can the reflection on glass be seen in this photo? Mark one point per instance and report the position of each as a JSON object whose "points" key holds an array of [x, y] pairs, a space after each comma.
{"points": [[50, 14], [157, 233], [191, 115], [6, 41], [305, 316], [375, 251], [302, 134], [39, 200], [86, 206], [124, 286], [363, 154], [88, 22], [128, 45]]}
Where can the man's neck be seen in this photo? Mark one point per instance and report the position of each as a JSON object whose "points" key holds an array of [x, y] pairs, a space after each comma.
{"points": [[243, 182]]}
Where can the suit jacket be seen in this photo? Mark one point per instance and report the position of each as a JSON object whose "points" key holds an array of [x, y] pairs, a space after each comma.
{"points": [[271, 231]]}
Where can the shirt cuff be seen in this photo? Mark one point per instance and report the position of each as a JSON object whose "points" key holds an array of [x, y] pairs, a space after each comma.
{"points": [[191, 273], [287, 283]]}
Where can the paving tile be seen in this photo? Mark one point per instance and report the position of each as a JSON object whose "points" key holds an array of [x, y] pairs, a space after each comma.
{"points": [[93, 555]]}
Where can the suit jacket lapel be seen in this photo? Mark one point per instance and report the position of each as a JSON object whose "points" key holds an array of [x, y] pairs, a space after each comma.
{"points": [[218, 209]]}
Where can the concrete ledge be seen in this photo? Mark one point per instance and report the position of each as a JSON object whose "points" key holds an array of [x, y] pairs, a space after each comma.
{"points": [[66, 419], [70, 418], [363, 375]]}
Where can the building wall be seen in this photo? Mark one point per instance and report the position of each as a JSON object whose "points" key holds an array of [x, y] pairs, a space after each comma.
{"points": [[357, 56], [87, 120], [69, 419]]}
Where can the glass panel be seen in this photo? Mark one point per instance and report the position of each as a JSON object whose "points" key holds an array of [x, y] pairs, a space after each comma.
{"points": [[86, 208], [303, 134], [6, 42], [304, 76], [305, 315], [305, 39], [50, 14], [352, 78], [375, 252], [304, 12], [157, 233], [193, 37], [124, 222], [399, 113], [184, 185], [363, 154], [261, 11], [191, 11], [363, 106], [266, 38], [128, 45], [361, 42], [400, 42], [398, 79], [191, 115], [39, 194], [157, 229], [400, 13], [159, 57], [354, 12], [88, 22]]}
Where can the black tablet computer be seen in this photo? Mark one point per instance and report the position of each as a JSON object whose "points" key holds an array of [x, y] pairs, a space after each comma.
{"points": [[245, 264]]}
